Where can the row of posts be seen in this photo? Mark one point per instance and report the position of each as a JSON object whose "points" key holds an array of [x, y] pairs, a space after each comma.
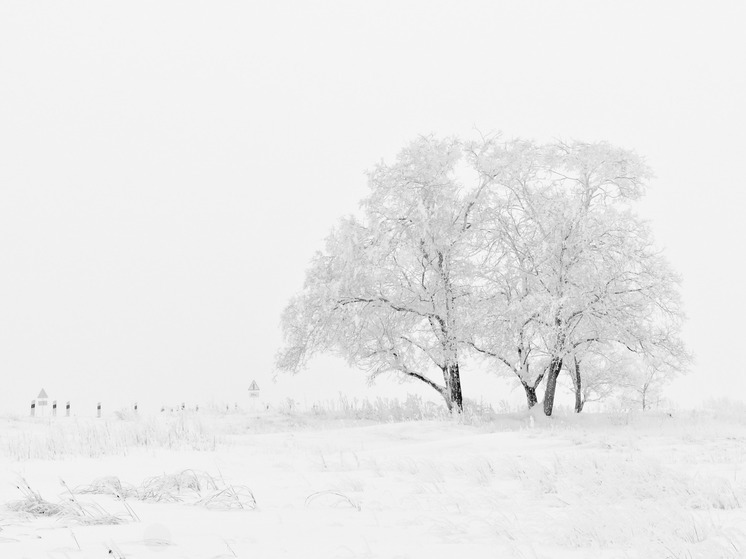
{"points": [[54, 408], [67, 408], [98, 408]]}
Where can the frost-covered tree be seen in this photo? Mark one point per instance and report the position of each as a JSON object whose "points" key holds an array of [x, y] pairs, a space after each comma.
{"points": [[528, 254], [595, 373], [647, 372], [505, 297], [572, 265], [387, 293], [608, 284]]}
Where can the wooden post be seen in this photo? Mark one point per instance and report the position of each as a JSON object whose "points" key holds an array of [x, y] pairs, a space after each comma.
{"points": [[67, 409], [33, 408], [54, 408], [98, 410], [135, 407]]}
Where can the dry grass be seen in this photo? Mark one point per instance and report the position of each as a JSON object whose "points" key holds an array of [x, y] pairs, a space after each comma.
{"points": [[196, 487], [49, 440], [332, 498], [392, 410], [232, 497], [70, 509], [173, 487]]}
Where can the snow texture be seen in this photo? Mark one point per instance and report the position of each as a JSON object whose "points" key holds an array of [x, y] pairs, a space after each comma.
{"points": [[315, 485]]}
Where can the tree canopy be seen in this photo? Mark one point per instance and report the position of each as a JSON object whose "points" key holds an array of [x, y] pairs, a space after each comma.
{"points": [[529, 255]]}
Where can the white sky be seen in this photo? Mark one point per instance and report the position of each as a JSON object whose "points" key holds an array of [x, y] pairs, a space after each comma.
{"points": [[167, 169]]}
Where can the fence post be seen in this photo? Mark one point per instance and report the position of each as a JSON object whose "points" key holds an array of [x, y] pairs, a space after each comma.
{"points": [[54, 408], [33, 408], [67, 409], [98, 410]]}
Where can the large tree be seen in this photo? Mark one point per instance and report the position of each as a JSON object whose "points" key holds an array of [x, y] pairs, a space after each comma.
{"points": [[387, 292], [529, 254], [572, 266]]}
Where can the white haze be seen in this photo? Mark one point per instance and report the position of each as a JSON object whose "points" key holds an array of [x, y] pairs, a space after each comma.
{"points": [[168, 169]]}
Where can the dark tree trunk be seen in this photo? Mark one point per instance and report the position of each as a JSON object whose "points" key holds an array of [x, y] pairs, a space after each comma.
{"points": [[555, 366], [453, 387], [530, 394], [578, 388]]}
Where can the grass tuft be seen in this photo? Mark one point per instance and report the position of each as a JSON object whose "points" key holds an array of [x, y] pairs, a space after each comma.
{"points": [[33, 504], [333, 497], [197, 486]]}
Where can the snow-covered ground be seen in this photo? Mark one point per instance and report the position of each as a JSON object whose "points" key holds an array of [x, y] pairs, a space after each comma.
{"points": [[591, 486]]}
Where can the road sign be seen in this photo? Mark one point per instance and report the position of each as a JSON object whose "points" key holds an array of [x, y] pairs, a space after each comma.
{"points": [[254, 389]]}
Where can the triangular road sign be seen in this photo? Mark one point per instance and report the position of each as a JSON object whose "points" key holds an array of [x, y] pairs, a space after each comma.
{"points": [[254, 386], [42, 395]]}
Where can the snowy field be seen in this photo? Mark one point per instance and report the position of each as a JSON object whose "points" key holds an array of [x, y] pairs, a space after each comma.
{"points": [[317, 485]]}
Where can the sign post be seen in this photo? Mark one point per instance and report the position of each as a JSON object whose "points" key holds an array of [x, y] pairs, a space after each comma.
{"points": [[253, 395], [41, 400]]}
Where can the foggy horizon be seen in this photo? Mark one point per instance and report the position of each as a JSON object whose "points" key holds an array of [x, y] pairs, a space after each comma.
{"points": [[169, 170]]}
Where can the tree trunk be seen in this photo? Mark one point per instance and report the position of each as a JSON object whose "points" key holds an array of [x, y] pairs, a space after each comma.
{"points": [[530, 394], [578, 387], [555, 366], [453, 386]]}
